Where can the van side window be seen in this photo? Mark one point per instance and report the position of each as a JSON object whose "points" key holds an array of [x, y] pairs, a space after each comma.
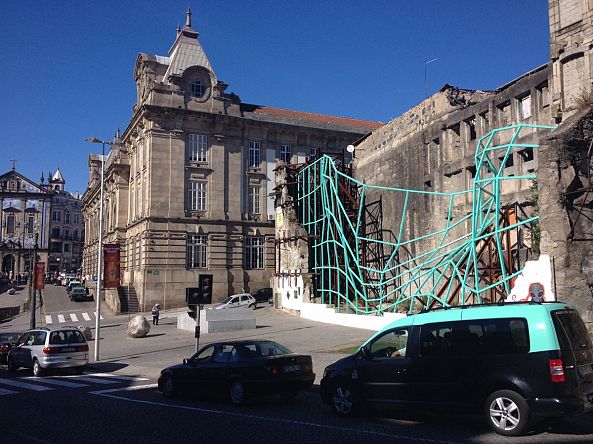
{"points": [[392, 344], [498, 336], [439, 339]]}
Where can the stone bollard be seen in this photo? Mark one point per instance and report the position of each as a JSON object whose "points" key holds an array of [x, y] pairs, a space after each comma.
{"points": [[86, 332], [138, 327], [11, 291]]}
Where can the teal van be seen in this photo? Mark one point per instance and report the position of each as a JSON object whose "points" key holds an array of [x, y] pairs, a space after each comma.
{"points": [[516, 362]]}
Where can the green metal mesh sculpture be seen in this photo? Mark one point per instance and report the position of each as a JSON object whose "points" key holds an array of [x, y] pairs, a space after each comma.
{"points": [[468, 260]]}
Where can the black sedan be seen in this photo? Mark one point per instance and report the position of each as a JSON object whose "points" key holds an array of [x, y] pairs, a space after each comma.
{"points": [[241, 370], [6, 341]]}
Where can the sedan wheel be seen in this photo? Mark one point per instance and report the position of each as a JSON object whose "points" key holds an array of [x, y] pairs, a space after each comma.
{"points": [[507, 413], [37, 369], [12, 367], [252, 306], [343, 399], [238, 393], [168, 387]]}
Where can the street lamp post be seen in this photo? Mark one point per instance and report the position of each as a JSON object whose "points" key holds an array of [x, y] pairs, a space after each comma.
{"points": [[100, 252], [34, 282]]}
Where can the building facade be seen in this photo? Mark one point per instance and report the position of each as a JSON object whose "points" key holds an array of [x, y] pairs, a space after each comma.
{"points": [[66, 228], [24, 218], [189, 185]]}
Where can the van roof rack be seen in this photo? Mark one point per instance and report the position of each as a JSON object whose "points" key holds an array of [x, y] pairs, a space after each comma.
{"points": [[490, 304]]}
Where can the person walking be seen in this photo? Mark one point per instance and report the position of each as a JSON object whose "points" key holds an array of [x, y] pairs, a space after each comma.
{"points": [[156, 311]]}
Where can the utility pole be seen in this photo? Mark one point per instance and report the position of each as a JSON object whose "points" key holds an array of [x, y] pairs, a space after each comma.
{"points": [[34, 281]]}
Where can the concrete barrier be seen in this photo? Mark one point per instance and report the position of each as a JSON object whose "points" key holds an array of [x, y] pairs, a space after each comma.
{"points": [[212, 321]]}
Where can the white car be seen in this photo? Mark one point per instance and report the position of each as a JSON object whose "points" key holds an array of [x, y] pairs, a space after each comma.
{"points": [[238, 300]]}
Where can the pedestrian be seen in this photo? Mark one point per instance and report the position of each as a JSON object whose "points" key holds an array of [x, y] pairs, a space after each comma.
{"points": [[156, 311]]}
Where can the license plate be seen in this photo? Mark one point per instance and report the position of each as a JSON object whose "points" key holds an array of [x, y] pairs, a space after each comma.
{"points": [[291, 368], [68, 349]]}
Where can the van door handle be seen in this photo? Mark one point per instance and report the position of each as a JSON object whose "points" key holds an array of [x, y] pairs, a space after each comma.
{"points": [[569, 366], [401, 370]]}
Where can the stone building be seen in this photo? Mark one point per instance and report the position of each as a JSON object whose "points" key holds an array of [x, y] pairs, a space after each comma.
{"points": [[188, 184], [25, 209], [66, 227]]}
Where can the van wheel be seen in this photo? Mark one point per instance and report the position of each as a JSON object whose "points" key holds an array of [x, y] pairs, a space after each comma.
{"points": [[37, 369], [507, 413], [168, 386], [343, 400]]}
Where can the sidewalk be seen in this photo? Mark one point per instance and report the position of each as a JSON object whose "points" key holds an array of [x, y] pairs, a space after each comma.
{"points": [[165, 345]]}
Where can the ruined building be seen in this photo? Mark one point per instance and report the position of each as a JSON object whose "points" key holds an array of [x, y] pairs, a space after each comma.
{"points": [[431, 147]]}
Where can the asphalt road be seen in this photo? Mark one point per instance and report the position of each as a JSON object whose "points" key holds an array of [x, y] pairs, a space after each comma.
{"points": [[116, 399]]}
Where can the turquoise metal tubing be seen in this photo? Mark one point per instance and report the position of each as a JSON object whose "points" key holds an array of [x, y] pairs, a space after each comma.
{"points": [[451, 264]]}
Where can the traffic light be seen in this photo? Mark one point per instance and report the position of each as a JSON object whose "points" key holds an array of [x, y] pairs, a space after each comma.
{"points": [[192, 314]]}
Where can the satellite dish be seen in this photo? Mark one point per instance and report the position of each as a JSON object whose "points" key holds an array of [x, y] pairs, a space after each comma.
{"points": [[350, 148]]}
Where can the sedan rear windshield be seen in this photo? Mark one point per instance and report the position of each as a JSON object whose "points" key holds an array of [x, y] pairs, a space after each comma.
{"points": [[66, 337]]}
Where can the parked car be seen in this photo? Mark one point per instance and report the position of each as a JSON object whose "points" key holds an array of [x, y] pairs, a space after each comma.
{"points": [[73, 283], [47, 348], [241, 370], [6, 341], [263, 295], [516, 362], [78, 294], [238, 300]]}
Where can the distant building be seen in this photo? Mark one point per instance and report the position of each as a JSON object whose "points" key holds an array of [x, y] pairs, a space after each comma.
{"points": [[188, 184], [66, 227], [24, 214]]}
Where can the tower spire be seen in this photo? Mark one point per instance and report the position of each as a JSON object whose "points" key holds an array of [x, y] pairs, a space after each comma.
{"points": [[188, 18]]}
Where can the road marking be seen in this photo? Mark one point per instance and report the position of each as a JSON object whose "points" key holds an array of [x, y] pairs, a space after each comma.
{"points": [[93, 380], [15, 383], [125, 389], [73, 317], [86, 317], [61, 319], [6, 392], [48, 319], [391, 436], [51, 381], [114, 376], [95, 313]]}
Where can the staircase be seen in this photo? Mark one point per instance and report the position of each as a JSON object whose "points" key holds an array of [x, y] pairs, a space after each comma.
{"points": [[128, 299]]}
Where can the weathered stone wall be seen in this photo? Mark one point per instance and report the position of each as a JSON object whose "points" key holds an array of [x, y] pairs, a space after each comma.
{"points": [[564, 169]]}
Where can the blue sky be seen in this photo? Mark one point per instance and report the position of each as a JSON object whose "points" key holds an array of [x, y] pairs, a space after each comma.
{"points": [[67, 70]]}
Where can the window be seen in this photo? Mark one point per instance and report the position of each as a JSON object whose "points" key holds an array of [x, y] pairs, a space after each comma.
{"points": [[254, 200], [196, 251], [76, 219], [197, 89], [75, 236], [10, 224], [254, 252], [390, 345], [66, 248], [55, 232], [67, 217], [438, 339], [471, 125], [198, 148], [30, 223], [254, 154], [285, 153], [197, 196], [67, 234], [495, 336], [313, 153], [525, 107], [56, 215]]}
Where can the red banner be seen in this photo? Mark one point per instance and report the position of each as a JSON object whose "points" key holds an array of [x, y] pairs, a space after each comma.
{"points": [[111, 276], [40, 275]]}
